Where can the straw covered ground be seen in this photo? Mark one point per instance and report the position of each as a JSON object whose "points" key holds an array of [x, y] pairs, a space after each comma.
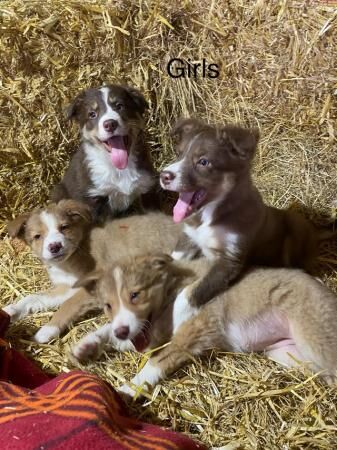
{"points": [[277, 72]]}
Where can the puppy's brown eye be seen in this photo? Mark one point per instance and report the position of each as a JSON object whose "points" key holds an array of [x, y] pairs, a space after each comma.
{"points": [[107, 306], [203, 162], [36, 237], [64, 227], [134, 297], [92, 115], [118, 106]]}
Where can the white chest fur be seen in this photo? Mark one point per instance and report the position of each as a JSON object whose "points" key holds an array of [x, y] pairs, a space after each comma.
{"points": [[105, 177], [58, 276], [212, 239], [121, 186]]}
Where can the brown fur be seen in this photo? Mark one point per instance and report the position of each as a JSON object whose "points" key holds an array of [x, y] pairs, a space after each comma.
{"points": [[267, 236], [77, 181]]}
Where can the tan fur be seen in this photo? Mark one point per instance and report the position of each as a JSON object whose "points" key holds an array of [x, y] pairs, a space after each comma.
{"points": [[98, 247], [130, 236], [306, 307], [309, 306]]}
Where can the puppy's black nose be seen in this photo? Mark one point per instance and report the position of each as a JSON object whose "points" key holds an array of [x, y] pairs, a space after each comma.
{"points": [[166, 177], [122, 332], [55, 247], [110, 125]]}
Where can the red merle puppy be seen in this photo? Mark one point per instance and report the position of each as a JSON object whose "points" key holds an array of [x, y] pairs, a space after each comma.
{"points": [[112, 166], [224, 216]]}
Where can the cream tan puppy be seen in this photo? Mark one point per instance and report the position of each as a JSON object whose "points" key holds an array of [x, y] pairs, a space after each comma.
{"points": [[285, 313], [58, 236], [61, 236]]}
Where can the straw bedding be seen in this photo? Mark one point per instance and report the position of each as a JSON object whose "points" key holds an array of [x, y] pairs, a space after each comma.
{"points": [[276, 72]]}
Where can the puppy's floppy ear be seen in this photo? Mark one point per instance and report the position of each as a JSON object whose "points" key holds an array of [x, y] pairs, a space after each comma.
{"points": [[16, 228], [74, 209], [185, 126], [157, 261], [138, 98], [89, 281], [71, 111], [242, 142]]}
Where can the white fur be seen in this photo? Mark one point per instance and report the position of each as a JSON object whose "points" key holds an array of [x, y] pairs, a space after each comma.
{"points": [[232, 242], [177, 255], [46, 334], [121, 186], [58, 276], [182, 310], [203, 237], [53, 234], [175, 168], [91, 342], [37, 302], [209, 238], [124, 317], [125, 389], [103, 135], [237, 337], [149, 374]]}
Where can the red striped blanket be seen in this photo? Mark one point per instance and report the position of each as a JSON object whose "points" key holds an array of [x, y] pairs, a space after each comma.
{"points": [[74, 411]]}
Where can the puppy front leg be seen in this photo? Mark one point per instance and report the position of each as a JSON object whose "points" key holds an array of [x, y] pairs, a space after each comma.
{"points": [[193, 338], [221, 274], [73, 308], [38, 302], [185, 248], [92, 344]]}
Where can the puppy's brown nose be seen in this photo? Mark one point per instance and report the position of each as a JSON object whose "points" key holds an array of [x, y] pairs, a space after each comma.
{"points": [[166, 177], [110, 125], [122, 332], [54, 247]]}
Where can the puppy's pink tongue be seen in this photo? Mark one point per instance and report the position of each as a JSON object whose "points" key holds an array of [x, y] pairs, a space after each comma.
{"points": [[119, 153], [183, 206]]}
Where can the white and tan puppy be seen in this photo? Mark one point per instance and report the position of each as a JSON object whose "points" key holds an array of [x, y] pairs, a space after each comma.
{"points": [[57, 235], [61, 236], [285, 313]]}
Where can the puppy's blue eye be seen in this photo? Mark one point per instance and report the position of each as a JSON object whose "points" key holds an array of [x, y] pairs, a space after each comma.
{"points": [[92, 115], [203, 162], [134, 296]]}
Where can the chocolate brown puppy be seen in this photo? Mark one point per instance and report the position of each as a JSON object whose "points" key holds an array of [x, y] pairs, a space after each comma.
{"points": [[112, 167], [224, 215]]}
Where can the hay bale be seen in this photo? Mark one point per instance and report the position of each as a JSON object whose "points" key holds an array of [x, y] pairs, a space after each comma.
{"points": [[277, 72]]}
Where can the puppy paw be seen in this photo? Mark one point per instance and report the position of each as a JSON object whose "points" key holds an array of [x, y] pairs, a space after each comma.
{"points": [[177, 255], [46, 334], [13, 312], [126, 391], [124, 346], [87, 348]]}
